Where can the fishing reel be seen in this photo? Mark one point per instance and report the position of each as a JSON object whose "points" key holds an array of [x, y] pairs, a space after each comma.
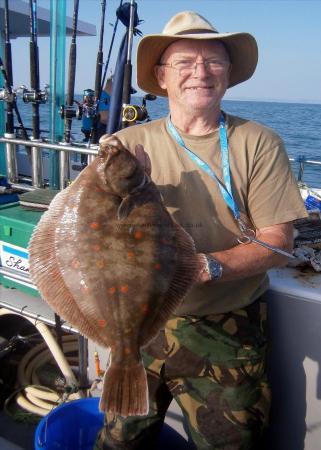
{"points": [[7, 96], [135, 113], [70, 112], [88, 107], [84, 110], [78, 112], [34, 96]]}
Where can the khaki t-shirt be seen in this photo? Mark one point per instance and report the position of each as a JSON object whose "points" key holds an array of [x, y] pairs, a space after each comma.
{"points": [[263, 187]]}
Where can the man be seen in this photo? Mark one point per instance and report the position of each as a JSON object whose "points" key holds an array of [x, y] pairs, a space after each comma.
{"points": [[211, 355]]}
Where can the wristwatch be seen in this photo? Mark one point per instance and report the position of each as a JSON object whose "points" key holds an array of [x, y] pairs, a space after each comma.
{"points": [[213, 268]]}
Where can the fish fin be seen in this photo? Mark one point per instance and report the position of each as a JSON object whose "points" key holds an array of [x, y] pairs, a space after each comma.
{"points": [[143, 194], [45, 273], [125, 390], [126, 207], [186, 274]]}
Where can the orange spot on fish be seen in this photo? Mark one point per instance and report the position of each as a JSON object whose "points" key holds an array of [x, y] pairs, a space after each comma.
{"points": [[130, 255], [127, 351], [157, 266], [124, 288], [165, 242], [138, 235], [102, 323], [144, 309], [111, 290], [96, 247], [75, 263], [94, 225], [100, 264]]}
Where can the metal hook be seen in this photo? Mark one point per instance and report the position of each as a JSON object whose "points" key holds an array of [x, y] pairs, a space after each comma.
{"points": [[37, 319], [21, 311]]}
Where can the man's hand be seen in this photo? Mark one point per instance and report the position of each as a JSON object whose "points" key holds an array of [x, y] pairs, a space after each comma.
{"points": [[109, 144], [204, 276]]}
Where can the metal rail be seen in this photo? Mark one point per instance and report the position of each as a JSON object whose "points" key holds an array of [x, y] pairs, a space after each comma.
{"points": [[302, 160], [63, 147], [16, 276], [25, 313], [11, 159]]}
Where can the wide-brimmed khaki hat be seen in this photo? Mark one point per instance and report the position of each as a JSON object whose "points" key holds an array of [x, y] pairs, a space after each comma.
{"points": [[242, 49]]}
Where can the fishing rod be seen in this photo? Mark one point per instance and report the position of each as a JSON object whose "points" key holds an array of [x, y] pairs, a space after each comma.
{"points": [[7, 94], [8, 62], [100, 55], [99, 69], [34, 95], [128, 65], [34, 69], [122, 89], [110, 48], [67, 111]]}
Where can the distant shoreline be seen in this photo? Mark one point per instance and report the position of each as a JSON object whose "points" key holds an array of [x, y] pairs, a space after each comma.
{"points": [[238, 99], [297, 102], [257, 100]]}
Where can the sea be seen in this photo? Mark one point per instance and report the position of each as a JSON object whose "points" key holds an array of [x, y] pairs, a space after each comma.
{"points": [[298, 124]]}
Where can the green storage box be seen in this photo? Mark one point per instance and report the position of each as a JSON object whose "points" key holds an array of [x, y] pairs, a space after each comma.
{"points": [[16, 227]]}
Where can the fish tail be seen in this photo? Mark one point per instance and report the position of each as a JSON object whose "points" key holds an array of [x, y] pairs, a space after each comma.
{"points": [[125, 390]]}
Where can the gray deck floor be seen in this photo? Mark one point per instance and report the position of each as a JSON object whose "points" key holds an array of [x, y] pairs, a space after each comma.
{"points": [[15, 435]]}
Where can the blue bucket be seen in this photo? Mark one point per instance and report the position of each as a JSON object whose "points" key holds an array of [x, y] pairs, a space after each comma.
{"points": [[74, 426], [71, 426]]}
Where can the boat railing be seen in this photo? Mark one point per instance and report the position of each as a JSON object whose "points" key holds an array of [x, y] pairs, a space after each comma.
{"points": [[65, 149], [36, 180], [302, 161]]}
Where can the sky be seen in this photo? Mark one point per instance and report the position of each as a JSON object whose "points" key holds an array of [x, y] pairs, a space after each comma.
{"points": [[288, 34]]}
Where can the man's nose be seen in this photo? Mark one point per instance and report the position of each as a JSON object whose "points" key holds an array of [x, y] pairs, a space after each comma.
{"points": [[200, 68]]}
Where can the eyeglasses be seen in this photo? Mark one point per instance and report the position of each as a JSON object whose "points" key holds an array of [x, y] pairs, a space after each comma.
{"points": [[188, 66]]}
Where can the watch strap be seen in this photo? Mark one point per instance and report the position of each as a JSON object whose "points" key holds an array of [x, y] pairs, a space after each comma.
{"points": [[213, 267]]}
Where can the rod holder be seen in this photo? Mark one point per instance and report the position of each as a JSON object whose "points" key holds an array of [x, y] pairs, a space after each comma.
{"points": [[63, 167], [91, 158], [36, 165], [11, 158]]}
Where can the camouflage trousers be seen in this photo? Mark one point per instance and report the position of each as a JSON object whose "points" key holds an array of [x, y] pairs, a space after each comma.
{"points": [[214, 367]]}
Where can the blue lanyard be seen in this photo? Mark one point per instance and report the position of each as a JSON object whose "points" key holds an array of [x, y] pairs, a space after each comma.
{"points": [[226, 188]]}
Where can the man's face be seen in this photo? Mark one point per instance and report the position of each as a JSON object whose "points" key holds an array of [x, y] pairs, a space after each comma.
{"points": [[203, 87]]}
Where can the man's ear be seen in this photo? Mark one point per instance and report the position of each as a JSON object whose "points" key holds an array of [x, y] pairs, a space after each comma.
{"points": [[159, 74]]}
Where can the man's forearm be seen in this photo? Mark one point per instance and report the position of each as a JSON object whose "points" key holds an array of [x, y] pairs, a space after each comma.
{"points": [[245, 260]]}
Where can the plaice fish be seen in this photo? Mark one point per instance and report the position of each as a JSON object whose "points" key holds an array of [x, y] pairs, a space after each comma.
{"points": [[109, 259]]}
